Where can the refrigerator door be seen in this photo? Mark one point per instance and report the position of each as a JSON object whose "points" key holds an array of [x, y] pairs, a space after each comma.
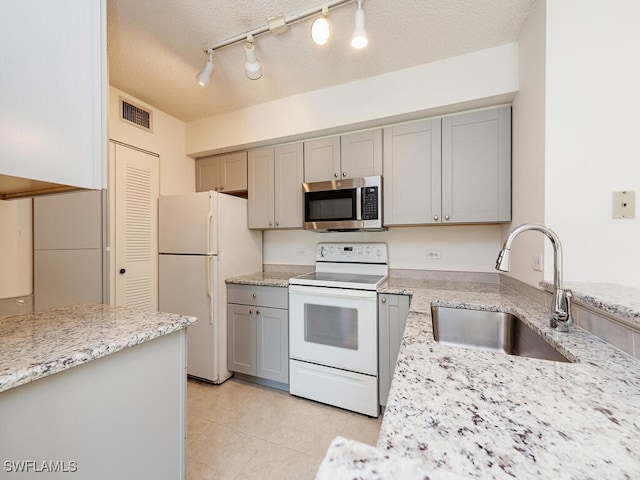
{"points": [[188, 285], [186, 224]]}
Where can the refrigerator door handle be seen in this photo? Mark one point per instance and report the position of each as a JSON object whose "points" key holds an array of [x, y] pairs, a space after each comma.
{"points": [[208, 232], [209, 290]]}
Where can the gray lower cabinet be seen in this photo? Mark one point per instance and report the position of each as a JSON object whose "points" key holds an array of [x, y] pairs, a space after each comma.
{"points": [[258, 331], [393, 311]]}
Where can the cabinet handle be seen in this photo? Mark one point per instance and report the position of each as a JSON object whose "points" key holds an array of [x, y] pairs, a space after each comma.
{"points": [[215, 189], [435, 217], [277, 223], [271, 224], [123, 271], [222, 188], [335, 175], [383, 299], [447, 217], [257, 312], [250, 311], [344, 174], [254, 295]]}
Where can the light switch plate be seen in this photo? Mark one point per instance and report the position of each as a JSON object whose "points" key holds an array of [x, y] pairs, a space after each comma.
{"points": [[624, 204]]}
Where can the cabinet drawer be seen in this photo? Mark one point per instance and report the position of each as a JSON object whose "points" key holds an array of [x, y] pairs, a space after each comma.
{"points": [[258, 295]]}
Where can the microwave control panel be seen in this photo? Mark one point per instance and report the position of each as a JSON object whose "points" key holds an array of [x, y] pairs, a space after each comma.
{"points": [[370, 203]]}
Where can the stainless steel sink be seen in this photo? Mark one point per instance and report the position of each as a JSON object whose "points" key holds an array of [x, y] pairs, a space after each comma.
{"points": [[493, 331]]}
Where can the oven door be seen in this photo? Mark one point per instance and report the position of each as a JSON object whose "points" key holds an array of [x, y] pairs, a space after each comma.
{"points": [[334, 327]]}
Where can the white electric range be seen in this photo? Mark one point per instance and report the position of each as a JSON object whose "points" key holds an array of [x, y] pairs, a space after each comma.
{"points": [[333, 326]]}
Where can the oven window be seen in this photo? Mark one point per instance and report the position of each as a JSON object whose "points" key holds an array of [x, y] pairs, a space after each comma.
{"points": [[330, 205], [328, 325]]}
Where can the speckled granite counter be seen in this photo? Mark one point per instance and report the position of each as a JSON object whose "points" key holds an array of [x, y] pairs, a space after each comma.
{"points": [[39, 344], [614, 299], [485, 415], [269, 279]]}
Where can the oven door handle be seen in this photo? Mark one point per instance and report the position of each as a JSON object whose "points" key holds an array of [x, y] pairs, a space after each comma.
{"points": [[332, 292]]}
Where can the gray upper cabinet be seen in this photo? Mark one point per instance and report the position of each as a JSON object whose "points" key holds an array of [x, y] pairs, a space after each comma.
{"points": [[476, 166], [352, 155], [322, 159], [456, 169], [275, 187], [222, 173], [412, 173]]}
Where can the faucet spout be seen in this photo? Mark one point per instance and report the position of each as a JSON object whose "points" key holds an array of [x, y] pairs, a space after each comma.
{"points": [[561, 307]]}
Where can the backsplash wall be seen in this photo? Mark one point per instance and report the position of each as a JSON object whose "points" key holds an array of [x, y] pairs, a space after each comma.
{"points": [[463, 248]]}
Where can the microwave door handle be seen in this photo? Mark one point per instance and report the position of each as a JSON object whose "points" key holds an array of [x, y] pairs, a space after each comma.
{"points": [[359, 203]]}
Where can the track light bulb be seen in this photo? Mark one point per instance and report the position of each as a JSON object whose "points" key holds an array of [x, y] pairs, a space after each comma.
{"points": [[320, 28], [252, 66], [359, 37], [204, 77]]}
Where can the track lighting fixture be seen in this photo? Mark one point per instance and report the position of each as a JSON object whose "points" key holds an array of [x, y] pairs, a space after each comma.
{"points": [[252, 66], [359, 37], [320, 29], [204, 77], [320, 34]]}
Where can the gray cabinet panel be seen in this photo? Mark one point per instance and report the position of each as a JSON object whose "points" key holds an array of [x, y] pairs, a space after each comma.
{"points": [[273, 344], [258, 331], [322, 159], [68, 221], [67, 277], [361, 154], [241, 338], [476, 166], [392, 318], [412, 173], [222, 173]]}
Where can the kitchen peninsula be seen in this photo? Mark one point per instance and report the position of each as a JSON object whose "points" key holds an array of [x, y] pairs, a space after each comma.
{"points": [[94, 389], [455, 411]]}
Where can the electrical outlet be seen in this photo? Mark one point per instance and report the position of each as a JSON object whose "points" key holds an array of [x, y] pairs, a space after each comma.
{"points": [[536, 263], [433, 255], [624, 204], [301, 252]]}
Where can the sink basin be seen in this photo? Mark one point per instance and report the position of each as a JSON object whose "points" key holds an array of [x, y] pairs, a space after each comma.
{"points": [[493, 331]]}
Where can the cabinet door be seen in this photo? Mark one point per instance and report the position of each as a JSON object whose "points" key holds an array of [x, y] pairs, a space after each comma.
{"points": [[241, 339], [261, 188], [233, 172], [361, 154], [53, 92], [273, 344], [207, 174], [392, 318], [476, 166], [288, 197], [322, 160], [412, 173]]}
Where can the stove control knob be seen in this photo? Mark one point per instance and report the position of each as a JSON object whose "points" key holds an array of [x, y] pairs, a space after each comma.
{"points": [[323, 251], [379, 252], [367, 250]]}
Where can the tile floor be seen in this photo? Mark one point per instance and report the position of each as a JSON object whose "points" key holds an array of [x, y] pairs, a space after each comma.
{"points": [[243, 431]]}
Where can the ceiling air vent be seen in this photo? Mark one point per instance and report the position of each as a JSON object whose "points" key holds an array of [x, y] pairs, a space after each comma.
{"points": [[136, 115]]}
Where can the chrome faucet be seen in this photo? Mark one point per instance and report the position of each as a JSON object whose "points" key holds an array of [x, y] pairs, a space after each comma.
{"points": [[561, 318]]}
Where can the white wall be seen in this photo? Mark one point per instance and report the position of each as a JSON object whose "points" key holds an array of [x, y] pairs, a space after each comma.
{"points": [[592, 125], [482, 78], [177, 171], [528, 146], [463, 248], [16, 248]]}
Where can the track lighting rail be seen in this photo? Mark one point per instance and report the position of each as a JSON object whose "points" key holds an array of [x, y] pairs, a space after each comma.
{"points": [[242, 37]]}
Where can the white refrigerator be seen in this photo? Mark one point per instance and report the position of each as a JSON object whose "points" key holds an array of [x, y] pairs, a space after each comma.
{"points": [[203, 240]]}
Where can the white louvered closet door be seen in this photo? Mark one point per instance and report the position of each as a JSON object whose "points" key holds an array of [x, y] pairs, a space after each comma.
{"points": [[136, 228]]}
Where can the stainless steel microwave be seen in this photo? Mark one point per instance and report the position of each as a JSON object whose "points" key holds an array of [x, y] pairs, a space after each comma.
{"points": [[349, 204]]}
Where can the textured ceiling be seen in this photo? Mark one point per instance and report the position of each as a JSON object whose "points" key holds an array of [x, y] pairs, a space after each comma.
{"points": [[155, 47]]}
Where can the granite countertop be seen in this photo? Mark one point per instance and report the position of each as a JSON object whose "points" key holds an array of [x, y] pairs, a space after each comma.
{"points": [[485, 415], [39, 344], [268, 279]]}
